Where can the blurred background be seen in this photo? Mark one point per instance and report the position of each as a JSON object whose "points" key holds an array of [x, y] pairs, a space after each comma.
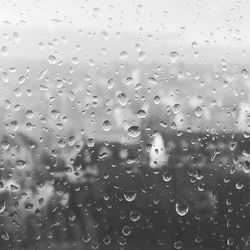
{"points": [[125, 124]]}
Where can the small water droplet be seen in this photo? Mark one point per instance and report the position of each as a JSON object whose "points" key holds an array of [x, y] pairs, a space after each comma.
{"points": [[174, 56], [141, 56], [178, 245], [2, 206], [5, 51], [5, 145], [244, 73], [126, 230], [75, 61], [121, 240], [167, 177], [110, 83], [90, 142], [176, 108], [123, 55], [104, 36], [139, 9], [194, 45]]}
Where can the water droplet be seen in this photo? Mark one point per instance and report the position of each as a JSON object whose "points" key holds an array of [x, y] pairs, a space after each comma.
{"points": [[134, 131], [130, 196], [135, 215], [55, 113], [107, 240], [176, 108], [157, 99], [52, 59], [20, 164], [181, 208], [167, 177], [246, 167], [40, 186], [72, 140], [5, 51], [126, 230], [123, 55], [139, 9], [110, 83], [5, 145], [21, 79], [122, 99], [244, 73], [174, 56], [42, 74], [90, 142], [194, 45], [2, 206], [106, 126], [5, 77], [75, 61], [141, 114], [230, 241], [71, 96], [178, 245], [86, 238], [198, 111], [141, 56], [239, 185], [152, 80], [104, 36], [121, 240]]}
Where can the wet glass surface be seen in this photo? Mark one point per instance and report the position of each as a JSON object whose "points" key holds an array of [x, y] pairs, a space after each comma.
{"points": [[124, 125]]}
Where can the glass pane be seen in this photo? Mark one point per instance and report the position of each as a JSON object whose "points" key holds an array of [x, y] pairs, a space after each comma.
{"points": [[124, 125]]}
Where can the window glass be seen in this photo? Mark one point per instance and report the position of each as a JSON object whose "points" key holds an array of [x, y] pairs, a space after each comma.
{"points": [[124, 124]]}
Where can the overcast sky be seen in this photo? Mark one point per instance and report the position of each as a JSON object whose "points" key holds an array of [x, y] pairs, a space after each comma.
{"points": [[223, 22]]}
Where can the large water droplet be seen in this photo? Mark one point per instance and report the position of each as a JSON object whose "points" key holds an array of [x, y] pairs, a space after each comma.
{"points": [[244, 73], [121, 240], [122, 99], [106, 126], [130, 196], [167, 177], [198, 111], [141, 113], [123, 55], [181, 208], [134, 131], [135, 215], [126, 230], [178, 245], [20, 164], [52, 59], [110, 83]]}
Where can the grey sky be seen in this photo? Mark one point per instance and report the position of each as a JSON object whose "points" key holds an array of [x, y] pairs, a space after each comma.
{"points": [[213, 22]]}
